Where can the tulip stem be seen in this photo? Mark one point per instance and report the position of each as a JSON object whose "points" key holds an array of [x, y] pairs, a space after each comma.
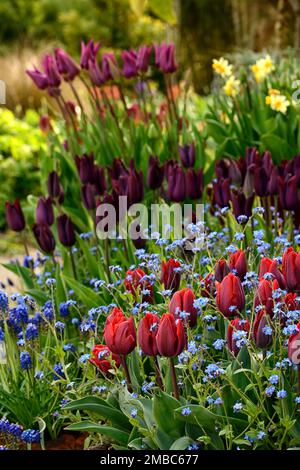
{"points": [[126, 370], [158, 374], [106, 250], [73, 263], [174, 378]]}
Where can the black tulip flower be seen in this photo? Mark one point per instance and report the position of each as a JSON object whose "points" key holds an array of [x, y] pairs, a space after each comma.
{"points": [[66, 232], [194, 183], [54, 187], [234, 172], [117, 169], [85, 167], [134, 186], [187, 155], [252, 156], [260, 181], [44, 237], [99, 180], [88, 196], [273, 186], [155, 174], [222, 193], [288, 192], [14, 216], [44, 211], [240, 204], [267, 162], [176, 183]]}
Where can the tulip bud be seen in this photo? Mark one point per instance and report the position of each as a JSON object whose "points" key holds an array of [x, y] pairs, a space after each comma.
{"points": [[291, 269], [182, 306], [45, 124], [119, 333], [147, 332], [222, 193], [170, 275], [134, 187], [187, 155], [221, 270], [110, 67], [143, 58], [170, 338], [99, 180], [54, 187], [136, 280], [264, 294], [194, 183], [240, 204], [88, 196], [260, 181], [165, 58], [96, 75], [44, 237], [86, 168], [129, 63], [234, 340], [39, 78], [238, 263], [66, 232], [271, 266], [51, 71], [101, 358], [44, 211], [88, 53], [66, 66], [294, 347], [288, 193], [291, 301], [273, 187], [261, 325], [176, 183], [155, 173], [14, 216], [230, 296]]}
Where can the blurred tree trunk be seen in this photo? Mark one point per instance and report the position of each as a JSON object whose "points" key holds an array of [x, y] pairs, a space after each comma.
{"points": [[296, 7]]}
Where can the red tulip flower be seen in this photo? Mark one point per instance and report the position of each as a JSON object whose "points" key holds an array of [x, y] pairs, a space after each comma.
{"points": [[147, 332], [170, 276], [294, 347], [101, 358], [268, 265], [264, 294], [230, 295], [183, 301], [119, 332], [291, 269], [170, 338], [261, 321], [237, 324], [238, 263], [134, 281], [221, 270]]}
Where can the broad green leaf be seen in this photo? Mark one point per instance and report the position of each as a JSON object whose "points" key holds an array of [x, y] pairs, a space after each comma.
{"points": [[138, 6], [182, 443], [164, 10], [24, 273], [164, 405], [88, 426], [85, 294]]}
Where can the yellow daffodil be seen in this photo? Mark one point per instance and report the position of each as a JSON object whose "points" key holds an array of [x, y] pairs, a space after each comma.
{"points": [[262, 68], [232, 86], [277, 102], [222, 67]]}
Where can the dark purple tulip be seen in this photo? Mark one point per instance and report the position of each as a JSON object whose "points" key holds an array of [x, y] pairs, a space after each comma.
{"points": [[129, 63], [240, 204], [143, 58], [176, 184], [99, 180], [51, 71], [117, 169], [252, 156], [86, 168], [134, 186], [297, 169], [44, 237], [110, 67], [88, 53], [261, 339], [221, 270], [234, 172], [267, 162], [39, 78], [54, 187], [14, 216], [165, 58], [155, 174], [288, 192], [88, 196], [66, 232], [96, 75], [187, 155], [222, 168], [248, 186], [222, 193], [194, 183], [65, 65], [260, 181], [44, 211], [273, 186]]}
